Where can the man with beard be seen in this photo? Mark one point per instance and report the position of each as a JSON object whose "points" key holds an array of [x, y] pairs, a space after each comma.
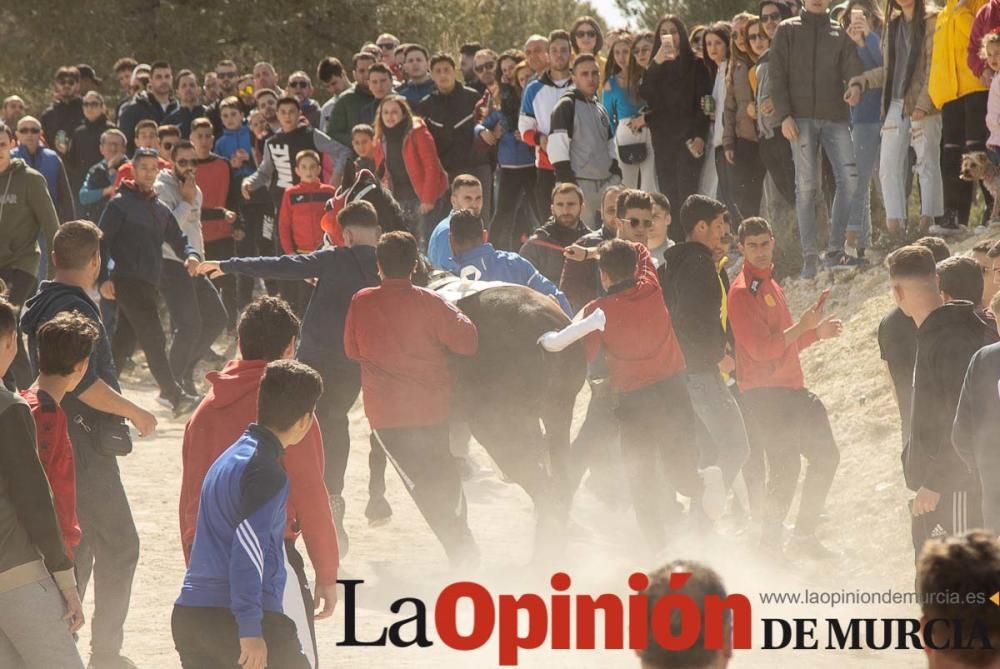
{"points": [[66, 112], [228, 75], [154, 104], [85, 146], [545, 247], [189, 103]]}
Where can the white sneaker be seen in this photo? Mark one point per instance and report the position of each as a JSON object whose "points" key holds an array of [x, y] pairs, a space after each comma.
{"points": [[981, 229], [713, 499]]}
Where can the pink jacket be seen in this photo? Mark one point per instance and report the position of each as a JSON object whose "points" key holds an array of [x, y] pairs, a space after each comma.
{"points": [[987, 20], [993, 113]]}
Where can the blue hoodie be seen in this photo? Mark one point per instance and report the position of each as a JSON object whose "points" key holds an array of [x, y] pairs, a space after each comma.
{"points": [[231, 140], [238, 558], [485, 263]]}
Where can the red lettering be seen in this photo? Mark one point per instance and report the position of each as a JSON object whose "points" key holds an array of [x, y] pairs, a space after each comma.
{"points": [[715, 624], [638, 612], [510, 640], [614, 620], [446, 615], [680, 609], [560, 611]]}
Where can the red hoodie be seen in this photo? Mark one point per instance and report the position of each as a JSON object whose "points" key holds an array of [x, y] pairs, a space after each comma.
{"points": [[56, 455], [217, 423]]}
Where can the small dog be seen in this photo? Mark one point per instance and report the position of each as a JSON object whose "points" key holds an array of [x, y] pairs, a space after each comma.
{"points": [[977, 166]]}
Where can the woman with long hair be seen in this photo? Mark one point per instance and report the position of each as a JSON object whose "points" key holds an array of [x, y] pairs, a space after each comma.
{"points": [[715, 170], [406, 159], [863, 22], [739, 127], [697, 40], [516, 173], [961, 96], [909, 116], [506, 63], [672, 87], [586, 36], [628, 58]]}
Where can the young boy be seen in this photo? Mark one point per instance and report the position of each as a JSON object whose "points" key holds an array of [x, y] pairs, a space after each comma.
{"points": [[35, 621], [363, 142], [303, 205], [646, 368], [64, 347], [146, 137], [299, 220], [230, 609], [236, 142]]}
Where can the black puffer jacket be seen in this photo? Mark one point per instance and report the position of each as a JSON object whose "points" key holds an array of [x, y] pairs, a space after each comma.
{"points": [[451, 119], [545, 247]]}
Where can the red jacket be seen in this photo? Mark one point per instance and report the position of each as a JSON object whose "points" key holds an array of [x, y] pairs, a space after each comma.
{"points": [[639, 341], [759, 316], [987, 20], [429, 179], [302, 208], [214, 177], [228, 408], [401, 335], [56, 455]]}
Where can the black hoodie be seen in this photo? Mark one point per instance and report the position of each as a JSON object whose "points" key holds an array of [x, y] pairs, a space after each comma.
{"points": [[51, 299], [946, 342], [60, 120], [143, 106], [693, 293], [545, 247], [85, 151]]}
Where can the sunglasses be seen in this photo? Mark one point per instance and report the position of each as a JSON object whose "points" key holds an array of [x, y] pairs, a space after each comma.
{"points": [[185, 162], [386, 46], [227, 75], [774, 17], [644, 222], [30, 131], [586, 33], [485, 67], [298, 84]]}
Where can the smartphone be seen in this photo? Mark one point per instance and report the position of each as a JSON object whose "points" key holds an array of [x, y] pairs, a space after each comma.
{"points": [[668, 41], [857, 15]]}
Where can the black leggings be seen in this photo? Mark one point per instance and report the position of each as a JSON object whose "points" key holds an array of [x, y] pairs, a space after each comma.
{"points": [[137, 306], [776, 155], [747, 178], [545, 181], [517, 187], [964, 129]]}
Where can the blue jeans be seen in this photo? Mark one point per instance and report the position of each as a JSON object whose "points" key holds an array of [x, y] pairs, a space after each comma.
{"points": [[867, 138], [720, 414], [835, 138]]}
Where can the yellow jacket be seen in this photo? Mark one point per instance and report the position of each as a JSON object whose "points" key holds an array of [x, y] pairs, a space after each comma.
{"points": [[950, 76]]}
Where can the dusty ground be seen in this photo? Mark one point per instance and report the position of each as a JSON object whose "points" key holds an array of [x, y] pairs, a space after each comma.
{"points": [[867, 508]]}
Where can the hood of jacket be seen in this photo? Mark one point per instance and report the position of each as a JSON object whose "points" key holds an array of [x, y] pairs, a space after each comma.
{"points": [[234, 382], [51, 298], [678, 254], [129, 188], [958, 313]]}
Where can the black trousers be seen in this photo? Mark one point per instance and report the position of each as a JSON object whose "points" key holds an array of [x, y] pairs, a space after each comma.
{"points": [[964, 129], [545, 181], [776, 155], [594, 448], [137, 304], [726, 191], [657, 431], [20, 286], [786, 425], [197, 316], [747, 176], [208, 638], [517, 187], [677, 173], [109, 543], [956, 513], [223, 249], [298, 566], [255, 212], [422, 457], [341, 386]]}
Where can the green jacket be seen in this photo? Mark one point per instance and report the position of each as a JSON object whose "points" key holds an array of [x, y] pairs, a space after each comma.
{"points": [[345, 113], [26, 212]]}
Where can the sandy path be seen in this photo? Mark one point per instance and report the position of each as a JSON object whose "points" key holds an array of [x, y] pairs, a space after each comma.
{"points": [[867, 508]]}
